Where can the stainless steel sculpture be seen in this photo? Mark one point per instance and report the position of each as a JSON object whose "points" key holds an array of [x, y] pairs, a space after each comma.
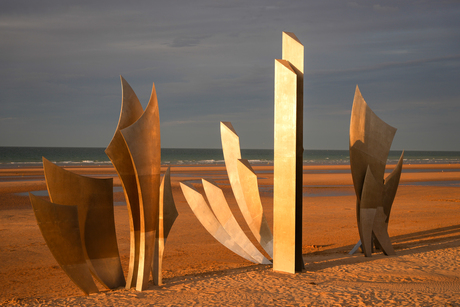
{"points": [[136, 154], [135, 151], [167, 214], [93, 198], [220, 221], [143, 141], [370, 142], [117, 151], [245, 188], [257, 223], [285, 245], [207, 218], [60, 227], [288, 171], [226, 218]]}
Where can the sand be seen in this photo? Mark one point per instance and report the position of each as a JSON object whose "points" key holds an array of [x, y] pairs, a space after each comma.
{"points": [[424, 228]]}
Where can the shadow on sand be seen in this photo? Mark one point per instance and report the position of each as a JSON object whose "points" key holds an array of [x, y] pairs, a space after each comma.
{"points": [[407, 244]]}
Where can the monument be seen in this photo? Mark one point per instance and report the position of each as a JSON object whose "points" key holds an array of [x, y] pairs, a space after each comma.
{"points": [[135, 152], [244, 185], [59, 226], [288, 170], [225, 235], [79, 228], [218, 219], [78, 224], [370, 142], [285, 244]]}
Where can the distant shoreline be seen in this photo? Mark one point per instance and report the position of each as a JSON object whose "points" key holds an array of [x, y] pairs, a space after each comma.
{"points": [[31, 178], [66, 156]]}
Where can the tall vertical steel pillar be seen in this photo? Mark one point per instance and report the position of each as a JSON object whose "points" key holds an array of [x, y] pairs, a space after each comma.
{"points": [[287, 198]]}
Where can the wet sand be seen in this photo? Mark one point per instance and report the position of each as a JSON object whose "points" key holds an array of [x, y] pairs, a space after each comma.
{"points": [[197, 270]]}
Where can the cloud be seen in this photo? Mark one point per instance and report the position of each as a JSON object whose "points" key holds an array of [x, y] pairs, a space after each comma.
{"points": [[187, 41], [213, 61], [384, 9], [387, 65]]}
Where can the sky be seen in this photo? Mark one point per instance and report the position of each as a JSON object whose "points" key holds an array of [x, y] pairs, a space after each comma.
{"points": [[212, 61]]}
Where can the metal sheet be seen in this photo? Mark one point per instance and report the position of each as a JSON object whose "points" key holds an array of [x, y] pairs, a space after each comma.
{"points": [[61, 230], [117, 151], [259, 224], [167, 215], [94, 199], [144, 145], [370, 142], [250, 208], [287, 192], [226, 218], [210, 222]]}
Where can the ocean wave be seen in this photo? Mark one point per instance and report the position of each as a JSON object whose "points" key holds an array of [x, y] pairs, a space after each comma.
{"points": [[31, 156], [65, 163], [428, 161], [260, 162], [21, 163], [192, 162]]}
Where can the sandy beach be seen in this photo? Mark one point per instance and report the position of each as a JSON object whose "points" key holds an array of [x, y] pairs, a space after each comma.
{"points": [[424, 228]]}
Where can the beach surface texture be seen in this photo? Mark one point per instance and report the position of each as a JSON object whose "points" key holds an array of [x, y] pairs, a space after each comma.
{"points": [[198, 271]]}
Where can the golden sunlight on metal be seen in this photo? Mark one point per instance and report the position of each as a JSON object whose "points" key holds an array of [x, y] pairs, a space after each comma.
{"points": [[226, 218], [209, 221], [118, 153], [285, 244], [60, 228], [143, 141], [94, 199], [167, 214], [245, 188], [370, 142], [287, 185]]}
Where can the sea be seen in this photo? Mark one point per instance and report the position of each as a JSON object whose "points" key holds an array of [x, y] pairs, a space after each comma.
{"points": [[81, 156]]}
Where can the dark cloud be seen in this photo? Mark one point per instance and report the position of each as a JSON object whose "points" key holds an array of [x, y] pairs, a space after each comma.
{"points": [[60, 63]]}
